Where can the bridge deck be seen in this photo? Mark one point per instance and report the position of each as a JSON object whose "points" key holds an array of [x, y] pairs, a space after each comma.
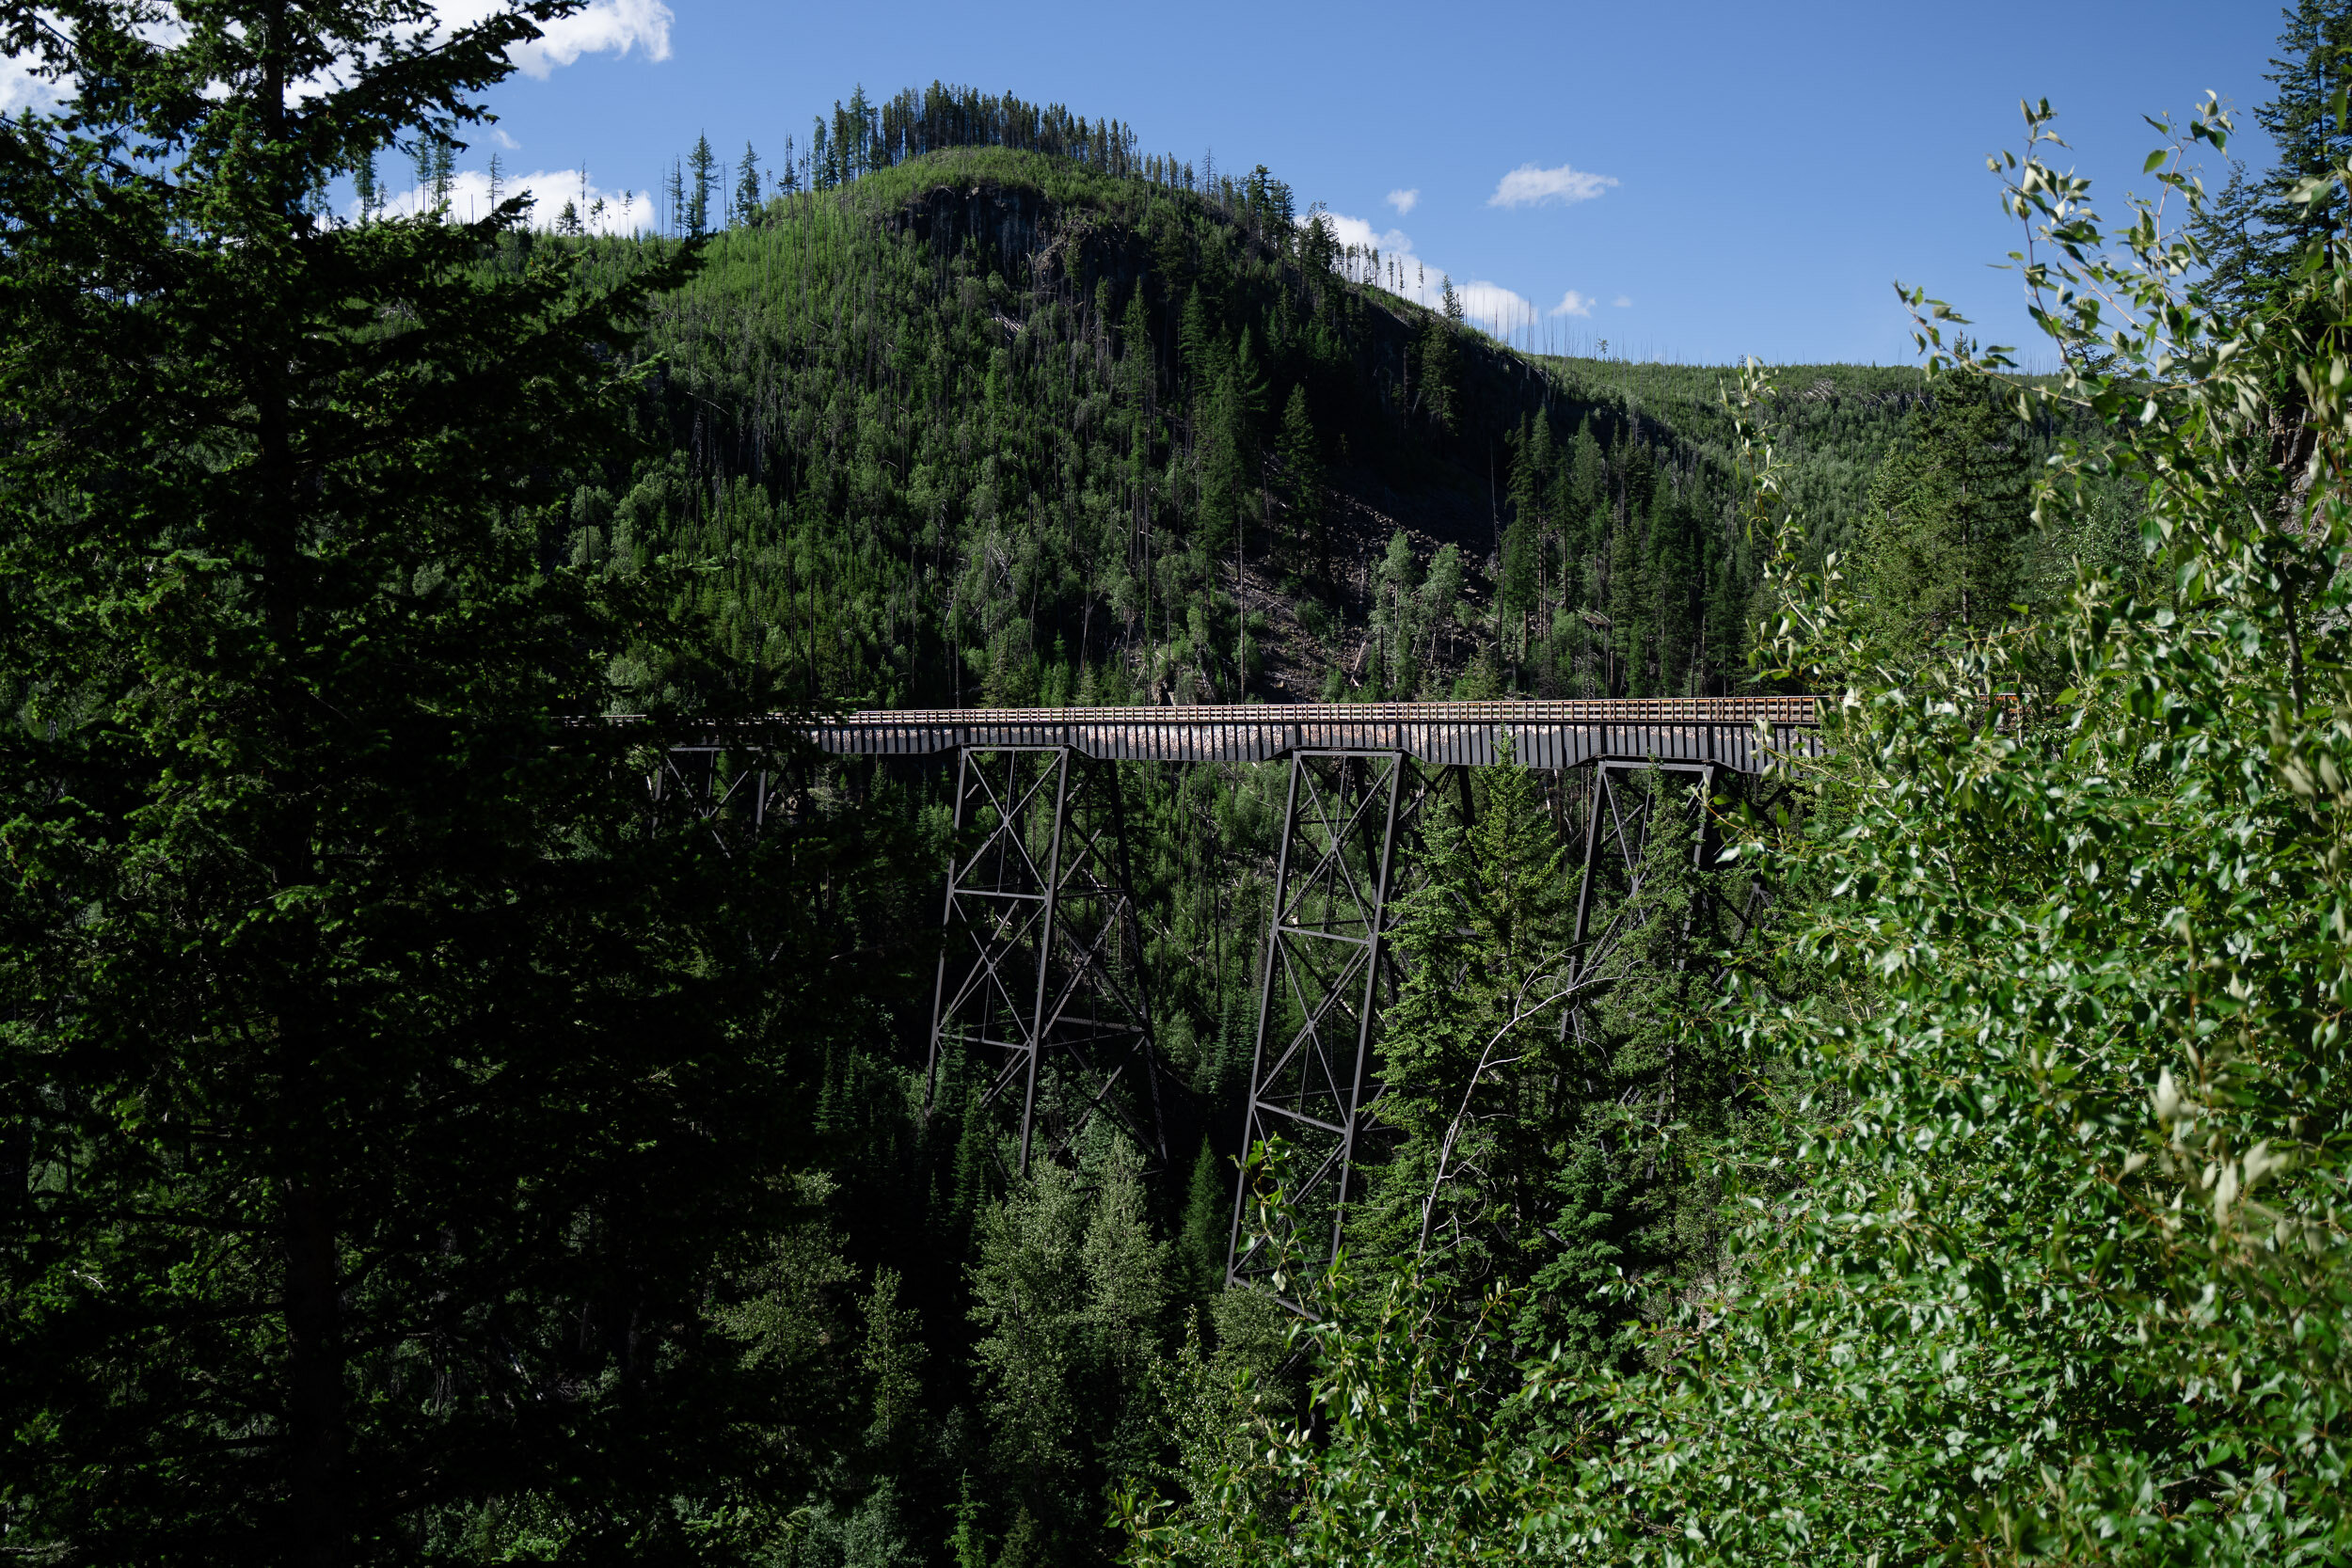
{"points": [[1740, 733]]}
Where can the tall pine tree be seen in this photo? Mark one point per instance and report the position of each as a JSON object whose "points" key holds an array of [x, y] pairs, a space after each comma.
{"points": [[701, 166], [385, 1138], [1308, 544], [2257, 229]]}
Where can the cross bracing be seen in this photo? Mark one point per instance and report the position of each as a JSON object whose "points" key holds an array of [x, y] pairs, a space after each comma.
{"points": [[1039, 981]]}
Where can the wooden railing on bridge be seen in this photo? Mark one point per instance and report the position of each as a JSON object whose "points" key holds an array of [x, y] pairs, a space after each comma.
{"points": [[1719, 729]]}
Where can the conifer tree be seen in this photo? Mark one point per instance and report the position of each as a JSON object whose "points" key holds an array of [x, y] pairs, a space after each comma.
{"points": [[1200, 1236], [1137, 377], [340, 971], [747, 198], [1318, 246], [700, 165], [1519, 591], [1727, 580], [2257, 229], [1232, 468], [1948, 508], [1587, 469], [1198, 343], [1492, 913], [1308, 544], [1563, 542], [1674, 577], [1629, 609], [1438, 373], [857, 121], [1068, 1290]]}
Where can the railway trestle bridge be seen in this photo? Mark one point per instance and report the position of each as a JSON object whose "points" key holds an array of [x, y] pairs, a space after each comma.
{"points": [[1040, 981]]}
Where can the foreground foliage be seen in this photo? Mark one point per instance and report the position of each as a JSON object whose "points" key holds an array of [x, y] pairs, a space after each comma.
{"points": [[2056, 1267], [387, 1099]]}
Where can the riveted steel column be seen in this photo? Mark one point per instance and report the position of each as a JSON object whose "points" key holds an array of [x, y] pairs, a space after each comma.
{"points": [[1265, 1006], [1356, 1102], [947, 923]]}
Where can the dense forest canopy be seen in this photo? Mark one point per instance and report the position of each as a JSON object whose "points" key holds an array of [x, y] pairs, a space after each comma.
{"points": [[416, 1150]]}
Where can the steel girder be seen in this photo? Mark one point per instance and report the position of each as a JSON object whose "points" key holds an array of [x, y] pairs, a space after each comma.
{"points": [[1621, 810], [1041, 979], [1621, 815]]}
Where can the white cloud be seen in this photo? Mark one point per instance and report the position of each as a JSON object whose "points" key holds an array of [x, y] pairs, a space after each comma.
{"points": [[1527, 185], [21, 89], [505, 140], [1357, 232], [605, 27], [1403, 200], [1621, 301], [1573, 304], [624, 212], [601, 27], [1499, 309], [1489, 304]]}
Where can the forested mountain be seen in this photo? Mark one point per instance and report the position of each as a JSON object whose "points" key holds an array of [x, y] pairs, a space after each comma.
{"points": [[428, 1153], [1047, 432]]}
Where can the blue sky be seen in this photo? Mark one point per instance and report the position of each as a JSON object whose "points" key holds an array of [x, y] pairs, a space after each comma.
{"points": [[1775, 167], [1759, 173]]}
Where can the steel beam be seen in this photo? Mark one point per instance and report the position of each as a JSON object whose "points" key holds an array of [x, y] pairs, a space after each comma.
{"points": [[1039, 981], [730, 785]]}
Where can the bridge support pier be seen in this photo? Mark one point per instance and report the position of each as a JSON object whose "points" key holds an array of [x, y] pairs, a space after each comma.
{"points": [[1352, 822], [732, 784], [1619, 816], [1328, 974], [1040, 981]]}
